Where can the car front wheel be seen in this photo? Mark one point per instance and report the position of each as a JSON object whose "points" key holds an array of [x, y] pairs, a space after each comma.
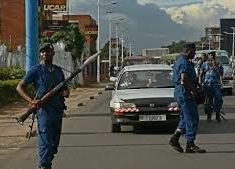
{"points": [[116, 128]]}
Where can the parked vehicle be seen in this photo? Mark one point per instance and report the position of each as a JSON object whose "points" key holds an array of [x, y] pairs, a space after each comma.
{"points": [[143, 95]]}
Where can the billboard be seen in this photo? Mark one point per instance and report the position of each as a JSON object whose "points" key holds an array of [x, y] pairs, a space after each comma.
{"points": [[54, 5], [227, 39], [54, 25]]}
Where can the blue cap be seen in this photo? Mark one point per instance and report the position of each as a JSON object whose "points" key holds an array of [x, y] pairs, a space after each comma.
{"points": [[45, 46]]}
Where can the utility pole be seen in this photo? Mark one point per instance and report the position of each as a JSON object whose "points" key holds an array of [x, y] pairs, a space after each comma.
{"points": [[31, 24], [110, 43], [233, 47], [233, 28], [130, 49], [117, 45], [122, 47], [98, 41]]}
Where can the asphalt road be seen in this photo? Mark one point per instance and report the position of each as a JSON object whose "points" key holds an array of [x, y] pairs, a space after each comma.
{"points": [[87, 143]]}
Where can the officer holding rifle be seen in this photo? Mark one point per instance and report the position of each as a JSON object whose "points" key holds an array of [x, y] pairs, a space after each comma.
{"points": [[44, 77]]}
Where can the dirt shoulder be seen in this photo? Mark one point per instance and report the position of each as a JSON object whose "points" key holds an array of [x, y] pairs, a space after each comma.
{"points": [[13, 135]]}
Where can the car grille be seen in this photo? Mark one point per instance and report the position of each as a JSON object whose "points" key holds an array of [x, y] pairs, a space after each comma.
{"points": [[155, 106]]}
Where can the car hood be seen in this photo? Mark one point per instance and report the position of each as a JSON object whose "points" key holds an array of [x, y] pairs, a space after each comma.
{"points": [[144, 93]]}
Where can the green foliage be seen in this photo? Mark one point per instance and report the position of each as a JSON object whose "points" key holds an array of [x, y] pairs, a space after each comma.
{"points": [[72, 37], [7, 73], [176, 47], [105, 53], [9, 93]]}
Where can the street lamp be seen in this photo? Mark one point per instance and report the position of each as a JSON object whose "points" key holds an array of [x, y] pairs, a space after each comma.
{"points": [[130, 50], [117, 42], [233, 47], [98, 35]]}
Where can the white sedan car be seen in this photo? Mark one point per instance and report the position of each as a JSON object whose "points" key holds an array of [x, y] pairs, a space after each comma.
{"points": [[143, 94]]}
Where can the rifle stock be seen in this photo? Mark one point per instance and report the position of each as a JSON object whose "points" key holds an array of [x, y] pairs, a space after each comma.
{"points": [[53, 91]]}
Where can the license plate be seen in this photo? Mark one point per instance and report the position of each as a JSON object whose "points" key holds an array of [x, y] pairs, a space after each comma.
{"points": [[152, 117]]}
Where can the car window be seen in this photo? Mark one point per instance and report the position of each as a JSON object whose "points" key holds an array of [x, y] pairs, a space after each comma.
{"points": [[145, 79], [223, 60]]}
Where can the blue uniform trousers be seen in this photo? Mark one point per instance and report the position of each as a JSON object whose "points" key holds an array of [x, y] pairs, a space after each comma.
{"points": [[49, 129], [214, 98], [189, 117]]}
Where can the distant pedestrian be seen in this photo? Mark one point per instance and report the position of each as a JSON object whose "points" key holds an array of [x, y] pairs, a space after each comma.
{"points": [[203, 59], [185, 80], [111, 71], [44, 77]]}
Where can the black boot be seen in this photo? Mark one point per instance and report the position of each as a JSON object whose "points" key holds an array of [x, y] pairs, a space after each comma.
{"points": [[192, 148], [174, 141], [217, 117], [208, 116]]}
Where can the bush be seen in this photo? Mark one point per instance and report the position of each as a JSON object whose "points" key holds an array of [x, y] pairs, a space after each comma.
{"points": [[7, 73], [8, 91]]}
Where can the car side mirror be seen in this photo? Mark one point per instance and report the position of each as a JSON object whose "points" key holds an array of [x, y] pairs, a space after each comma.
{"points": [[109, 87]]}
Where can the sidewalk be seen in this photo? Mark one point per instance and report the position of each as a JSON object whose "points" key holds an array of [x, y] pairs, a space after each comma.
{"points": [[12, 134]]}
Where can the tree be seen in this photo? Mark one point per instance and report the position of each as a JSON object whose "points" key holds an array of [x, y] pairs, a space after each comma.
{"points": [[105, 53], [72, 37], [176, 47]]}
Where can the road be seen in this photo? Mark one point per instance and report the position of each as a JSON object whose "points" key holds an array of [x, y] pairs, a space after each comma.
{"points": [[88, 144]]}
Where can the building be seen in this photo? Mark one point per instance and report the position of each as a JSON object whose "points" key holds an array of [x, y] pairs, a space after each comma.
{"points": [[227, 37], [155, 52], [12, 23], [211, 40]]}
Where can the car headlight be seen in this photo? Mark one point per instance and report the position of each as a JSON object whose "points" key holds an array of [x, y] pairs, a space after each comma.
{"points": [[173, 107], [119, 105]]}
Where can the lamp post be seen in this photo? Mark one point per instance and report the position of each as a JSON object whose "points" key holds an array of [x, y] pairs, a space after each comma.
{"points": [[233, 28], [130, 49], [98, 41], [98, 36], [122, 47], [233, 47], [117, 45], [110, 43]]}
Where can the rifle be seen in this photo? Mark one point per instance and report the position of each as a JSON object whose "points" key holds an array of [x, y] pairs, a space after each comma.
{"points": [[57, 88]]}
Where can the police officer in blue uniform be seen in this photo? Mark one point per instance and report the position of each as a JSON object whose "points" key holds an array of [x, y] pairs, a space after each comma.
{"points": [[203, 59], [210, 78], [44, 77], [185, 80]]}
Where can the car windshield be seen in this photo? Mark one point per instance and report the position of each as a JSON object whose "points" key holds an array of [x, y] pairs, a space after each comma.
{"points": [[146, 79], [223, 60], [147, 60]]}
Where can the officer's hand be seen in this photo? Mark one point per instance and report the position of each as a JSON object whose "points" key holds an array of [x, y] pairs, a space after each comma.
{"points": [[65, 93], [36, 104]]}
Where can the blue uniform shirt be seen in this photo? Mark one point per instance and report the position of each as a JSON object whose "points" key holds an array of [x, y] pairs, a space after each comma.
{"points": [[44, 80], [211, 74], [183, 65]]}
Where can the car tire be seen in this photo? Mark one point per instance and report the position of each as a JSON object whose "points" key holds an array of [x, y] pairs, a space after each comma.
{"points": [[116, 128]]}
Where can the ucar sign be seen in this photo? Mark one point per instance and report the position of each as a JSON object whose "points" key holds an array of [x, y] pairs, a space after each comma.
{"points": [[54, 5]]}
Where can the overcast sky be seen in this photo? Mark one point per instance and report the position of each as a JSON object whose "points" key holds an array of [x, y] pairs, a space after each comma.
{"points": [[154, 23]]}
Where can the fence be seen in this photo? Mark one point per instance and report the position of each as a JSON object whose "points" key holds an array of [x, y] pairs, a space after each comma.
{"points": [[12, 59], [61, 58]]}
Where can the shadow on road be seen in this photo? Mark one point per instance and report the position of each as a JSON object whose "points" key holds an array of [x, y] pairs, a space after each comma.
{"points": [[221, 152], [213, 127]]}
